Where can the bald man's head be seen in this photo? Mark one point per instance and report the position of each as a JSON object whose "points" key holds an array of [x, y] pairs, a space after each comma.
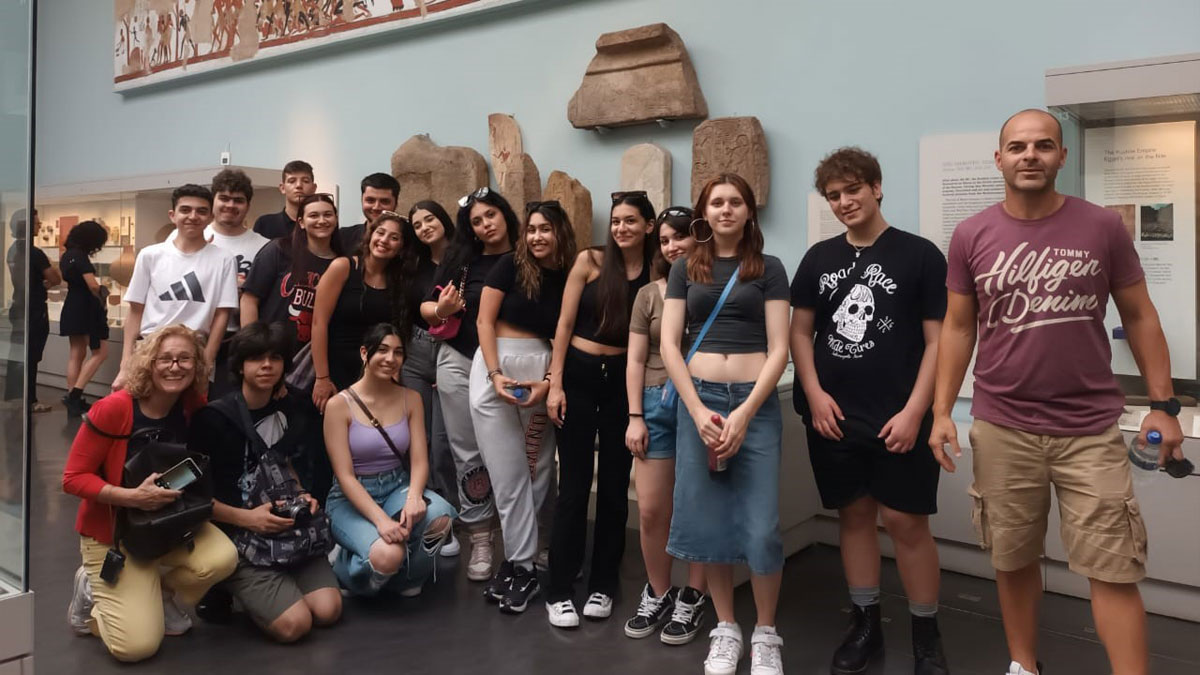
{"points": [[1034, 112]]}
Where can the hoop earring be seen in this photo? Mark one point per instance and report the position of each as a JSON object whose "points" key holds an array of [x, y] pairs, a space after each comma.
{"points": [[692, 231]]}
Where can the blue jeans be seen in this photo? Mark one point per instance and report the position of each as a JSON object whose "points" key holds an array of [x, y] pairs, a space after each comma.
{"points": [[732, 516], [660, 423], [356, 534]]}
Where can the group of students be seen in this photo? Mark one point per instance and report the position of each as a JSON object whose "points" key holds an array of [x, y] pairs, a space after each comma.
{"points": [[513, 349]]}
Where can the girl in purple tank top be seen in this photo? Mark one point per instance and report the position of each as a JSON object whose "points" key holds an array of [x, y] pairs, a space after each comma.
{"points": [[387, 525]]}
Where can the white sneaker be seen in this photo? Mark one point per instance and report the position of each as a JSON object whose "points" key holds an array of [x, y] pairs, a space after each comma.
{"points": [[79, 612], [410, 592], [175, 621], [562, 614], [766, 652], [1015, 668], [724, 649], [333, 554], [451, 548], [598, 606], [479, 568]]}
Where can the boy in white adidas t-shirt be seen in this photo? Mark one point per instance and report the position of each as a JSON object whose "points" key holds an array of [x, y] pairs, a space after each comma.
{"points": [[182, 281]]}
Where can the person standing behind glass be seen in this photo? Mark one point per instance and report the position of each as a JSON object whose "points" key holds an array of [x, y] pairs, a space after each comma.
{"points": [[729, 412], [84, 318]]}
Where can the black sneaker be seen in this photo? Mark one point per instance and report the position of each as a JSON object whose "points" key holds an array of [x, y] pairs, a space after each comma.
{"points": [[927, 647], [863, 641], [651, 612], [522, 588], [496, 588], [686, 617], [75, 406], [216, 606]]}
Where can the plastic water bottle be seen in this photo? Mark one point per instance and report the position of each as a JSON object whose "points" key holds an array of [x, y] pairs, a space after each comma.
{"points": [[520, 393], [1145, 461]]}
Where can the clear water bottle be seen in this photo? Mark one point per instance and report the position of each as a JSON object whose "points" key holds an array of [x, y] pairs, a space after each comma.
{"points": [[1145, 460]]}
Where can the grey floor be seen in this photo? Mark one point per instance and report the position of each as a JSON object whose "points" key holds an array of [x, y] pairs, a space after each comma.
{"points": [[449, 628]]}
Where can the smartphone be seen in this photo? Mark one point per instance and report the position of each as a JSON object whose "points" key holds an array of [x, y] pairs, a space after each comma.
{"points": [[179, 476]]}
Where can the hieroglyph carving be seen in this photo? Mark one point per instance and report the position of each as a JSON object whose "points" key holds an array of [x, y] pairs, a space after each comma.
{"points": [[731, 145]]}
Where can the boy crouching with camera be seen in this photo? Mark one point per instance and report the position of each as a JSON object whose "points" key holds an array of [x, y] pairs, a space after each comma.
{"points": [[252, 435]]}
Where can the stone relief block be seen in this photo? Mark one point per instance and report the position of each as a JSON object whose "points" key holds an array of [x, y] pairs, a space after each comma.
{"points": [[731, 145], [427, 170], [576, 200], [648, 167], [638, 75], [517, 175]]}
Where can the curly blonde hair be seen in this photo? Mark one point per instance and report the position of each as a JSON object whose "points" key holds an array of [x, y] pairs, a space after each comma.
{"points": [[139, 381]]}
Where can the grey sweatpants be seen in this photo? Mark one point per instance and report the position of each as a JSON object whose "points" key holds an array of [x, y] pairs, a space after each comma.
{"points": [[474, 486], [517, 444]]}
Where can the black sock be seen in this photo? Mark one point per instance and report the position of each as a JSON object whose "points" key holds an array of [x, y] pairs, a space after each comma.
{"points": [[75, 394]]}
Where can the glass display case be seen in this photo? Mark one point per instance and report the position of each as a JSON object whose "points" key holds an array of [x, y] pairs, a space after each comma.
{"points": [[1131, 133]]}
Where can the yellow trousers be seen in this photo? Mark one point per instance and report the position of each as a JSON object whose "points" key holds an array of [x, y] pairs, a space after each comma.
{"points": [[128, 615]]}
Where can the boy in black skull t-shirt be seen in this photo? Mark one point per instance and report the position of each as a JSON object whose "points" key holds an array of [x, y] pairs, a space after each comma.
{"points": [[868, 311]]}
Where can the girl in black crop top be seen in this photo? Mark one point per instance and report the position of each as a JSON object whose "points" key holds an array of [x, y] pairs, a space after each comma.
{"points": [[485, 230], [587, 397], [518, 313], [357, 293]]}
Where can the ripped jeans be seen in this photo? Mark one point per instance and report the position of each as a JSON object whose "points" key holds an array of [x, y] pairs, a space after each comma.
{"points": [[355, 534]]}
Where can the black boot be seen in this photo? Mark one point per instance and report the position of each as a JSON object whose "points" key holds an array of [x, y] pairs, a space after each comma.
{"points": [[863, 641], [927, 647]]}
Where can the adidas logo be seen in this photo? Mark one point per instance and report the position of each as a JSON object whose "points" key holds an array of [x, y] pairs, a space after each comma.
{"points": [[179, 289]]}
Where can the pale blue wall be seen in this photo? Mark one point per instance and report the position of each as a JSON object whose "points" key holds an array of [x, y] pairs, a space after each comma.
{"points": [[878, 73]]}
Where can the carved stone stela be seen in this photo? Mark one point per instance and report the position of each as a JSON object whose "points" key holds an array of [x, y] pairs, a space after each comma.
{"points": [[576, 200], [427, 170], [638, 75], [731, 145], [648, 167], [517, 175]]}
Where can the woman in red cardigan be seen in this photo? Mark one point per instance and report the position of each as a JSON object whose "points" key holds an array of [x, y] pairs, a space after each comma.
{"points": [[167, 381]]}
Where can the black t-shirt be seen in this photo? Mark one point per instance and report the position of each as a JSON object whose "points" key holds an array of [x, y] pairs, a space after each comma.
{"points": [[282, 298], [467, 339], [741, 326], [537, 315], [352, 238], [867, 334], [275, 225], [175, 423], [38, 264], [421, 290]]}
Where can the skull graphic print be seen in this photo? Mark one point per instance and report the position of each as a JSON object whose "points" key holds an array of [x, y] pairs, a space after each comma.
{"points": [[855, 313]]}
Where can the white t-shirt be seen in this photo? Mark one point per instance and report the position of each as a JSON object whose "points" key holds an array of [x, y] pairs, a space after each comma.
{"points": [[243, 247], [178, 287]]}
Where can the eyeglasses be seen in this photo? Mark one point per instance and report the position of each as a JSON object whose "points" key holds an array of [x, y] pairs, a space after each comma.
{"points": [[632, 194], [675, 212], [184, 361], [530, 207], [476, 195]]}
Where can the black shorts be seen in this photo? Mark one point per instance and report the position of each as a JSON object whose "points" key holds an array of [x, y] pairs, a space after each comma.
{"points": [[859, 465]]}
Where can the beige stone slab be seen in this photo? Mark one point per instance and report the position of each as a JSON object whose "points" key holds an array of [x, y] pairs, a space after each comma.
{"points": [[647, 167], [427, 170], [731, 145], [638, 75], [517, 175], [576, 200]]}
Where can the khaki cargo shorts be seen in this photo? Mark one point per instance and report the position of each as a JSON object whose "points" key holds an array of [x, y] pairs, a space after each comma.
{"points": [[1102, 528]]}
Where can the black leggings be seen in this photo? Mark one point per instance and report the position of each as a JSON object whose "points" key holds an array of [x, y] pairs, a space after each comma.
{"points": [[594, 387]]}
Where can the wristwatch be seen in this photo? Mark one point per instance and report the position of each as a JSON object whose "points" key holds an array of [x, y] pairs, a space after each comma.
{"points": [[1170, 406]]}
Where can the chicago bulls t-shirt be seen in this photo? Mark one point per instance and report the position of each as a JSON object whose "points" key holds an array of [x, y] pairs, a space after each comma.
{"points": [[1044, 361], [285, 295], [867, 334]]}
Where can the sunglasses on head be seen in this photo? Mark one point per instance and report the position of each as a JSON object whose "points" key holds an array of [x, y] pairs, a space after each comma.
{"points": [[530, 207], [474, 196], [392, 215], [617, 197], [675, 212]]}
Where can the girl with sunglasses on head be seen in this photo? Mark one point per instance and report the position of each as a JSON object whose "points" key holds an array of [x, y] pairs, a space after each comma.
{"points": [[355, 293], [387, 525], [486, 229], [650, 436], [587, 397], [434, 230], [518, 314], [729, 424]]}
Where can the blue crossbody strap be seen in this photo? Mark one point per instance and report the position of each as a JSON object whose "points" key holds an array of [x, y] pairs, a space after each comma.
{"points": [[712, 316]]}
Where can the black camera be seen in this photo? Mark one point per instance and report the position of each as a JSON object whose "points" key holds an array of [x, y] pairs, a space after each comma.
{"points": [[294, 508]]}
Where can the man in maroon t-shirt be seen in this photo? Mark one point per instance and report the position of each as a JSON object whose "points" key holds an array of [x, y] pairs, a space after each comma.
{"points": [[1031, 277]]}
